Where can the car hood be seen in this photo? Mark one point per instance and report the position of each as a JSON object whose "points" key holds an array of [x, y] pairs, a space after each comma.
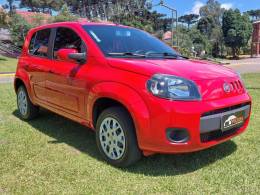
{"points": [[189, 69]]}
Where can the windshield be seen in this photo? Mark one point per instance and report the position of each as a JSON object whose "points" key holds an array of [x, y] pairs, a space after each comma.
{"points": [[128, 42]]}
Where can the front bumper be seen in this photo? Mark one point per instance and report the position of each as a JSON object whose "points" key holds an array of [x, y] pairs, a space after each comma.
{"points": [[201, 119]]}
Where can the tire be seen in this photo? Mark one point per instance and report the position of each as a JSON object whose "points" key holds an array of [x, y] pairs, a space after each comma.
{"points": [[27, 110], [116, 138]]}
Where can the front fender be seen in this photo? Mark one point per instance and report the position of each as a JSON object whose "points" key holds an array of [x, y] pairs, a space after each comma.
{"points": [[128, 97]]}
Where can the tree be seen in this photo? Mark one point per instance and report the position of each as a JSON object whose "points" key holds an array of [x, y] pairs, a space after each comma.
{"points": [[189, 19], [185, 42], [214, 10], [10, 6], [19, 28], [210, 25], [237, 30], [4, 18], [200, 41], [105, 9], [64, 15], [44, 6], [135, 21], [158, 20], [217, 42], [206, 25]]}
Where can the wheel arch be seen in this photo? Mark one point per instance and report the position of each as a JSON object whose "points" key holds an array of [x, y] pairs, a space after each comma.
{"points": [[103, 103], [17, 83], [116, 94], [22, 78]]}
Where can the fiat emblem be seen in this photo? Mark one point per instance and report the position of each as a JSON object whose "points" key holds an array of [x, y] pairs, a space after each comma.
{"points": [[226, 87]]}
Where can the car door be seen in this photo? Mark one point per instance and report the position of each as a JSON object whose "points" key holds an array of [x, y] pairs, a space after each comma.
{"points": [[37, 62], [64, 88]]}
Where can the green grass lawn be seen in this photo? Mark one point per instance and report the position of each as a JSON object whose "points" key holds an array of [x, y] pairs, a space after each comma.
{"points": [[52, 155], [7, 64]]}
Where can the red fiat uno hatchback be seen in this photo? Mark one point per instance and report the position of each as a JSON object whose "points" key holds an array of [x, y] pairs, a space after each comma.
{"points": [[139, 95]]}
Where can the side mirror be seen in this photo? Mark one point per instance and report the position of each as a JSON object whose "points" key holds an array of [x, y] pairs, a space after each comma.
{"points": [[71, 55], [79, 57]]}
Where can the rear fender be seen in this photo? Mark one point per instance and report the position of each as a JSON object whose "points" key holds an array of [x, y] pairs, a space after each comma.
{"points": [[24, 77]]}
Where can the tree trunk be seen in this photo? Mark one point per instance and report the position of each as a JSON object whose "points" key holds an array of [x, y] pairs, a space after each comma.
{"points": [[10, 7], [235, 52], [85, 9]]}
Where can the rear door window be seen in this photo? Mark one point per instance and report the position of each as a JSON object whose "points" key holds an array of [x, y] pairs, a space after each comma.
{"points": [[39, 43]]}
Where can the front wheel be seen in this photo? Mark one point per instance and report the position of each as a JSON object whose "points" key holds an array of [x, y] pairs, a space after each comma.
{"points": [[116, 138], [26, 108]]}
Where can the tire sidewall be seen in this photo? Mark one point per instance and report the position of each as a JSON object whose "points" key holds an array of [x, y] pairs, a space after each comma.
{"points": [[126, 127], [22, 88]]}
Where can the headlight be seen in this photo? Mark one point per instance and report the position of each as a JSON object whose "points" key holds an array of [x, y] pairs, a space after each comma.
{"points": [[172, 87]]}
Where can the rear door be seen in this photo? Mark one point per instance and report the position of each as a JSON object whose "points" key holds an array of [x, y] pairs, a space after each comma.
{"points": [[38, 62]]}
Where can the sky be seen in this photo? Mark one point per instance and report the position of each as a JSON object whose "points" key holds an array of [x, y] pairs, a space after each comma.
{"points": [[193, 6]]}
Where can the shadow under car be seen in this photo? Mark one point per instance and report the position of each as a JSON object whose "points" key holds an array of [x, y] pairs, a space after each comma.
{"points": [[83, 140]]}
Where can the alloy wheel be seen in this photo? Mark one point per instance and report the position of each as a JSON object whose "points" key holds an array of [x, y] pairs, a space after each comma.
{"points": [[22, 102], [112, 138]]}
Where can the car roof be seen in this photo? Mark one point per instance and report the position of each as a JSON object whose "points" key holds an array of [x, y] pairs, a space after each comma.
{"points": [[76, 23]]}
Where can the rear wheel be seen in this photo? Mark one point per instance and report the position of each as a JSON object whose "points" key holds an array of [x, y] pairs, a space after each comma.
{"points": [[26, 108], [116, 138]]}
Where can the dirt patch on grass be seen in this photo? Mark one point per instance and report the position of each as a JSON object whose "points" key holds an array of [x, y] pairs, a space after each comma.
{"points": [[3, 142], [2, 191], [75, 151]]}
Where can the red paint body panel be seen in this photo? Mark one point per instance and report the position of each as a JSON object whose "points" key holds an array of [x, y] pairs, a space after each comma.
{"points": [[71, 90]]}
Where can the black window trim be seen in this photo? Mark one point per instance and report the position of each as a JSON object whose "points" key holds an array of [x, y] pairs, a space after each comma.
{"points": [[49, 44], [33, 36]]}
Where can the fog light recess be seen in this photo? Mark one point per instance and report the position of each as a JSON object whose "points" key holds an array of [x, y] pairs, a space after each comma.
{"points": [[177, 135]]}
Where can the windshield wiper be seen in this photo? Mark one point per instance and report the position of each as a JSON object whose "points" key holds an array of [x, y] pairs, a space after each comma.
{"points": [[127, 54], [167, 55]]}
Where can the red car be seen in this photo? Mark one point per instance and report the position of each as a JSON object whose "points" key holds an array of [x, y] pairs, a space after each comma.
{"points": [[138, 94]]}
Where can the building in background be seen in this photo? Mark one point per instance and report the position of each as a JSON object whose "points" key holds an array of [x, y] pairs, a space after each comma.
{"points": [[256, 40]]}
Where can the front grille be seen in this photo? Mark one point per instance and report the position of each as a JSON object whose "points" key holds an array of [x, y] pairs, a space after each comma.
{"points": [[214, 135], [226, 109], [236, 86]]}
